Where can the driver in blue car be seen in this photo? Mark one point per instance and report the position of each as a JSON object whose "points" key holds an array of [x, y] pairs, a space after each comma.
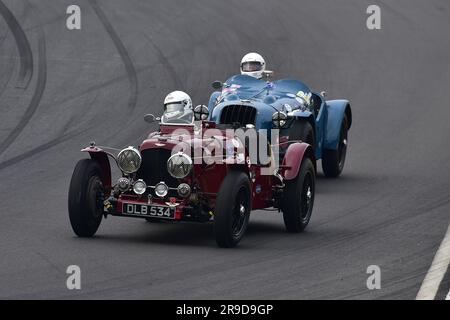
{"points": [[253, 65]]}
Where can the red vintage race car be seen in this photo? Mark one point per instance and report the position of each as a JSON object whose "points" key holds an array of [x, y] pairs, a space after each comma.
{"points": [[195, 170]]}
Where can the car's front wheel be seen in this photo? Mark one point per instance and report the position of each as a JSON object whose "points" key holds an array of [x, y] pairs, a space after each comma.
{"points": [[232, 210], [298, 198], [86, 196]]}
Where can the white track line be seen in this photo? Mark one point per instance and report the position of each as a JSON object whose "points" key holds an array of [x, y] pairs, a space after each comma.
{"points": [[436, 273]]}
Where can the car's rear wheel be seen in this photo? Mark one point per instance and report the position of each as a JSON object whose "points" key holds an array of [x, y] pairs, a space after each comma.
{"points": [[86, 196], [298, 199], [232, 211], [333, 160]]}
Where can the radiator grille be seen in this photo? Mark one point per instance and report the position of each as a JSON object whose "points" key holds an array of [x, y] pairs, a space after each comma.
{"points": [[154, 167], [238, 114]]}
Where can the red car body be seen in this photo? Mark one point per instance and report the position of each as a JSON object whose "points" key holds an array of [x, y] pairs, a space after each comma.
{"points": [[206, 180], [208, 177]]}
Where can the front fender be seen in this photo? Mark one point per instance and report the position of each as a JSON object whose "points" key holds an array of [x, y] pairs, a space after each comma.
{"points": [[299, 114], [101, 157], [294, 157], [336, 110], [212, 102]]}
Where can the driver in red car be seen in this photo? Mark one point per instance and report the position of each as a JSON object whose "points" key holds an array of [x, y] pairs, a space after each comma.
{"points": [[177, 108]]}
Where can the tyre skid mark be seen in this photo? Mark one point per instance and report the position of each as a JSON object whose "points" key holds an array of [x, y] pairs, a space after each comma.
{"points": [[5, 86], [37, 96], [23, 45], [166, 64], [131, 71], [40, 148], [62, 137]]}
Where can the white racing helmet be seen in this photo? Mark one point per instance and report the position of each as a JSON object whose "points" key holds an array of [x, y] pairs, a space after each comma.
{"points": [[253, 64], [177, 105]]}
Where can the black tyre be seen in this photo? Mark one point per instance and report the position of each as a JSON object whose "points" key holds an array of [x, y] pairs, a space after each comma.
{"points": [[302, 130], [333, 160], [233, 206], [86, 198], [298, 199]]}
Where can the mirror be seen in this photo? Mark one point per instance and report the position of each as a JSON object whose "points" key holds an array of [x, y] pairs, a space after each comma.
{"points": [[150, 118], [201, 112], [217, 85], [323, 93], [267, 74]]}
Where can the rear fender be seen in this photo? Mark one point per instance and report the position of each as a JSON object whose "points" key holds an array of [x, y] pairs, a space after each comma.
{"points": [[293, 159], [336, 110], [101, 157]]}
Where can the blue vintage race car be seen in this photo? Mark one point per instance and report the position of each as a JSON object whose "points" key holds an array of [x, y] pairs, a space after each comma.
{"points": [[291, 107]]}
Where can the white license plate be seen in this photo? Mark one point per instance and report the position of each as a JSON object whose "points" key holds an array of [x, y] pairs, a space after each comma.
{"points": [[145, 210]]}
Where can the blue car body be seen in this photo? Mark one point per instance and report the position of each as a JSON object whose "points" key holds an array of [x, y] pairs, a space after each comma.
{"points": [[282, 95]]}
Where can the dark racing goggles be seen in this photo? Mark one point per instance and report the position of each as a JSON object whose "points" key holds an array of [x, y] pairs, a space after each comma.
{"points": [[251, 66]]}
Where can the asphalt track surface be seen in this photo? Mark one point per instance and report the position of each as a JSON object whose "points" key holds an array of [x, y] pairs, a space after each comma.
{"points": [[60, 89]]}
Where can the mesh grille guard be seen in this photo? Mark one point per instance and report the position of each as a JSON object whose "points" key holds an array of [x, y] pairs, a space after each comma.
{"points": [[241, 114], [154, 167]]}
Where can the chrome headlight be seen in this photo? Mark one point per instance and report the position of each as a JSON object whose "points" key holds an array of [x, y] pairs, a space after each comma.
{"points": [[123, 184], [279, 119], [139, 187], [161, 189], [129, 160], [184, 190], [179, 165], [201, 112]]}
